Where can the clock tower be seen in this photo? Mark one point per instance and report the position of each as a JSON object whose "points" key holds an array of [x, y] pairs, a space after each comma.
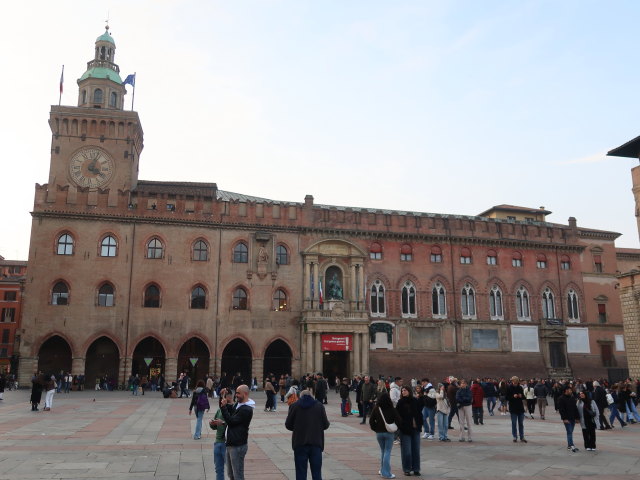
{"points": [[95, 146]]}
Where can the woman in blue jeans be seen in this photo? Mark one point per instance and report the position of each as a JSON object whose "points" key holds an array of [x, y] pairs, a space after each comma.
{"points": [[384, 408]]}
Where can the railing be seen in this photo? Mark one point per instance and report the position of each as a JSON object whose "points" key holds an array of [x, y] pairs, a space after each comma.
{"points": [[103, 64], [331, 315], [554, 321]]}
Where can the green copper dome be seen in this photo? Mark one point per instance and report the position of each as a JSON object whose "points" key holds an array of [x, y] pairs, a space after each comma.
{"points": [[102, 72], [105, 37]]}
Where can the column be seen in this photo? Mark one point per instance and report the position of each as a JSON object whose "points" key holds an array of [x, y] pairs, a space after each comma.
{"points": [[316, 285], [317, 364], [257, 369], [26, 368], [77, 365], [307, 285], [366, 348], [125, 370], [353, 282], [357, 354], [170, 369], [309, 361], [363, 289]]}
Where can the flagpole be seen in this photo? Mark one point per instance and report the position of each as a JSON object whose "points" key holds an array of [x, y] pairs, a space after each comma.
{"points": [[61, 82], [133, 96]]}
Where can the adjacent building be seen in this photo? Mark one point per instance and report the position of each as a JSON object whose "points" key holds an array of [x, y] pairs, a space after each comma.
{"points": [[12, 279], [138, 276]]}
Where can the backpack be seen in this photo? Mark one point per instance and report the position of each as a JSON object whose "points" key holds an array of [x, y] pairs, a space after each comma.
{"points": [[203, 401], [293, 397]]}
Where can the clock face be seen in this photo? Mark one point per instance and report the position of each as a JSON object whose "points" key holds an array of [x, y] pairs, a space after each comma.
{"points": [[91, 167]]}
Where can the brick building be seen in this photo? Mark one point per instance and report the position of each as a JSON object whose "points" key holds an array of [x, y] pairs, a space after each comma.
{"points": [[12, 278], [134, 276]]}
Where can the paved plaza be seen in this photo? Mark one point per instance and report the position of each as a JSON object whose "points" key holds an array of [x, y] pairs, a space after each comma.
{"points": [[118, 436]]}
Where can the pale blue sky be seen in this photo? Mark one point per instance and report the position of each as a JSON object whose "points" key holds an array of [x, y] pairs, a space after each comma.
{"points": [[445, 107]]}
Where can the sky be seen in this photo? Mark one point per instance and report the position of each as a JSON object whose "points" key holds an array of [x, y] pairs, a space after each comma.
{"points": [[430, 106]]}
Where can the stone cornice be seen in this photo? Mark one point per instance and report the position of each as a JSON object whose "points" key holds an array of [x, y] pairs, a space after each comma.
{"points": [[445, 238]]}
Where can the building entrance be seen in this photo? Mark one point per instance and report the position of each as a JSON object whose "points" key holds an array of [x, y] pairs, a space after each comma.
{"points": [[54, 356], [556, 352], [335, 364]]}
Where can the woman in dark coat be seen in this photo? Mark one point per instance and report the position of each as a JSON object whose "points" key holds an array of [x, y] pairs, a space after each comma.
{"points": [[409, 409], [36, 392]]}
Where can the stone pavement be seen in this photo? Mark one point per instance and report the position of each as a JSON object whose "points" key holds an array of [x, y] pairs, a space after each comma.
{"points": [[118, 436]]}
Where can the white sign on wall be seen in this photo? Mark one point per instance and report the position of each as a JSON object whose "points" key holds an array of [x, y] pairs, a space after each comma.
{"points": [[578, 340], [619, 343], [524, 338]]}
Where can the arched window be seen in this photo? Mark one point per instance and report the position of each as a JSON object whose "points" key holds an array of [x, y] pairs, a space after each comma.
{"points": [[523, 312], [572, 306], [108, 247], [198, 298], [65, 244], [84, 96], [438, 301], [492, 257], [408, 300], [406, 253], [240, 253], [105, 295], [548, 304], [436, 254], [565, 262], [97, 96], [113, 99], [280, 300], [465, 256], [516, 259], [152, 297], [541, 260], [155, 249], [200, 251], [240, 299], [377, 299], [375, 251], [60, 294], [468, 302], [495, 303], [282, 255]]}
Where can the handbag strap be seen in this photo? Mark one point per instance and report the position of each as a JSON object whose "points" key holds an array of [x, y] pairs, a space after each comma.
{"points": [[382, 415]]}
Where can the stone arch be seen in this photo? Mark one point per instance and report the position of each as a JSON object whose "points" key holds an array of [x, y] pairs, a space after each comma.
{"points": [[55, 355], [335, 247], [102, 359], [194, 348], [148, 347], [277, 357], [236, 358]]}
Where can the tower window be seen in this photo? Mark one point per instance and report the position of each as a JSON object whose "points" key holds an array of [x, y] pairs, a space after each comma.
{"points": [[113, 99], [465, 256], [241, 253], [106, 296], [239, 299], [152, 297], [108, 247], [375, 251], [65, 245], [60, 294], [282, 255], [97, 96], [198, 298]]}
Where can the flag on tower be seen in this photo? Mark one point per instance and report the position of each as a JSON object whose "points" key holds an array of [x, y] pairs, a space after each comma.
{"points": [[62, 79], [131, 80]]}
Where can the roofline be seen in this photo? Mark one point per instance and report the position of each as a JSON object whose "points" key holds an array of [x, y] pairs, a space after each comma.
{"points": [[630, 149]]}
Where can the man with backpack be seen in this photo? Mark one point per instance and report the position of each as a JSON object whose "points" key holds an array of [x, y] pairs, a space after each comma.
{"points": [[199, 401]]}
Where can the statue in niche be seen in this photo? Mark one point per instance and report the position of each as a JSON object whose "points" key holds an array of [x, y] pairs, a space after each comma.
{"points": [[334, 289], [262, 255], [262, 263]]}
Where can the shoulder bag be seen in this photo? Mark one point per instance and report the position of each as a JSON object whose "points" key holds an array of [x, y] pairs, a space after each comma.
{"points": [[391, 427]]}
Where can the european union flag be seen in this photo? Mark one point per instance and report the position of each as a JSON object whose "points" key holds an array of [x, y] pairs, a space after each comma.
{"points": [[131, 80]]}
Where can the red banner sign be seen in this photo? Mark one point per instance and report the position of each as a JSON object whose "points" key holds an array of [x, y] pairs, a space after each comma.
{"points": [[337, 343]]}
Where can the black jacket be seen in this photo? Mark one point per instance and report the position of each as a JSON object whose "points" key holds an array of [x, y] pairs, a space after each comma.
{"points": [[567, 408], [410, 412], [307, 419], [344, 391], [515, 404], [237, 420], [390, 415]]}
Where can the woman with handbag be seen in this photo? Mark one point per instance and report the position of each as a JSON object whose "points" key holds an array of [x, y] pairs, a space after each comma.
{"points": [[409, 410], [589, 417], [384, 421]]}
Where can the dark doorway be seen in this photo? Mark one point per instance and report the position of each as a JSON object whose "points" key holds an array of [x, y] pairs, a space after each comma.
{"points": [[103, 360], [556, 352], [152, 350], [54, 356], [236, 360], [277, 358], [192, 350], [606, 353], [335, 364]]}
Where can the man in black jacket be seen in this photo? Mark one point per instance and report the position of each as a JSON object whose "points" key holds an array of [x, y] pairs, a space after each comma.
{"points": [[307, 419], [569, 414], [237, 417]]}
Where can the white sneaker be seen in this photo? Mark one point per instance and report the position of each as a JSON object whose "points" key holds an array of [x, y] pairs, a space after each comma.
{"points": [[425, 435], [430, 437]]}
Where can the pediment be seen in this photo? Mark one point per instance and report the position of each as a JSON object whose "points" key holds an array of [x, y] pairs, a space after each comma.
{"points": [[334, 248]]}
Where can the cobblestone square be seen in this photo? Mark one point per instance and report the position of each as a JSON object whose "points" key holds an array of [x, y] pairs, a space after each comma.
{"points": [[118, 436]]}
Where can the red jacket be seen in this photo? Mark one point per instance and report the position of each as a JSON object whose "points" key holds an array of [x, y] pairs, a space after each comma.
{"points": [[478, 395]]}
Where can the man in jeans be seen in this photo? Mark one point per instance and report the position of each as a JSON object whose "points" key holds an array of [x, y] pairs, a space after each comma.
{"points": [[237, 417], [307, 419], [569, 414]]}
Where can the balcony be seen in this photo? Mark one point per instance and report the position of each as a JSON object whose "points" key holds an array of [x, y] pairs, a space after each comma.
{"points": [[554, 322]]}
